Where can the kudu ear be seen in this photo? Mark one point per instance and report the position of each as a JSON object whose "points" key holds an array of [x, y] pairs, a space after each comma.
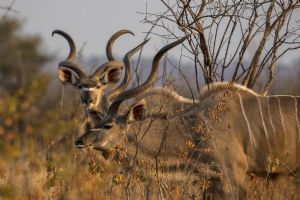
{"points": [[112, 75], [137, 111], [68, 76], [95, 115]]}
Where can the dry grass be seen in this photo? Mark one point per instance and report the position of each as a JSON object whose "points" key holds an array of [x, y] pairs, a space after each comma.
{"points": [[62, 172]]}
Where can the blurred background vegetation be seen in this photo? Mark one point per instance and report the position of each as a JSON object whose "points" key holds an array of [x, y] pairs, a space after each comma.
{"points": [[34, 128]]}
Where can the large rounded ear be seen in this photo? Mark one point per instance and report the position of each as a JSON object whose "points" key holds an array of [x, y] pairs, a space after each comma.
{"points": [[112, 75], [68, 76], [95, 115], [137, 111]]}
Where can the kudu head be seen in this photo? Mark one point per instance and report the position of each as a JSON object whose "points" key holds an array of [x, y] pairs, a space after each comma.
{"points": [[94, 114], [91, 86], [111, 129]]}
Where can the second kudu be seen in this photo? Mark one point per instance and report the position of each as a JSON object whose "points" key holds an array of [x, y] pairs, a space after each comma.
{"points": [[230, 133], [92, 86]]}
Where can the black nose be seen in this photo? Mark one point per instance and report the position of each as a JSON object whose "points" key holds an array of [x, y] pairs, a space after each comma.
{"points": [[79, 144], [87, 101]]}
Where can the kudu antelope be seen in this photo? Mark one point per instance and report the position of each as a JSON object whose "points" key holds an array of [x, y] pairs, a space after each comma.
{"points": [[92, 86], [232, 132]]}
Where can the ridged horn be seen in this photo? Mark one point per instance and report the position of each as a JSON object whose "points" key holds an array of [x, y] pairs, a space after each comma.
{"points": [[111, 41], [127, 75], [113, 109], [72, 54]]}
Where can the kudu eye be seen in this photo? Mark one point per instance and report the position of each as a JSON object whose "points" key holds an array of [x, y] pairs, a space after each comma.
{"points": [[107, 126]]}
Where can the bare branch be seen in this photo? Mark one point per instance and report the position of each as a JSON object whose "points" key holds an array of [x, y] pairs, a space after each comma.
{"points": [[236, 38]]}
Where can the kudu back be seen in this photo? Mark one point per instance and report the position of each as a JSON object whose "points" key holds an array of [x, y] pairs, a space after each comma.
{"points": [[229, 133]]}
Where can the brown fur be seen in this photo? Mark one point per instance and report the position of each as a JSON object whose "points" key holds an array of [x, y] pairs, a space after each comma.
{"points": [[212, 141]]}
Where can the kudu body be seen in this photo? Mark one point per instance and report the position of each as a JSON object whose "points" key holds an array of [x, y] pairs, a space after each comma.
{"points": [[231, 132]]}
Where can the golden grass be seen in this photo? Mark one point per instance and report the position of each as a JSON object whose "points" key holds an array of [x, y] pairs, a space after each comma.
{"points": [[66, 173]]}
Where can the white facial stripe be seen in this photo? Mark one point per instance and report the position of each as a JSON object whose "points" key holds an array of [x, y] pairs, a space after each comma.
{"points": [[88, 89], [95, 129]]}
